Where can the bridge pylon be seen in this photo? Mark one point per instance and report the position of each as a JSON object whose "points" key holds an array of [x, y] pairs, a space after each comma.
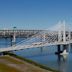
{"points": [[64, 32], [60, 33]]}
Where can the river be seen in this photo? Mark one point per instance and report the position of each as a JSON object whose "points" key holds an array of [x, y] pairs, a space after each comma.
{"points": [[44, 55]]}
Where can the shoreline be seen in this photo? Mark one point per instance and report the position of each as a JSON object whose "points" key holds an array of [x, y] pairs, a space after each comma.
{"points": [[31, 62]]}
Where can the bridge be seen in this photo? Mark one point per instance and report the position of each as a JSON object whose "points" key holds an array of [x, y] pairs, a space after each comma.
{"points": [[57, 35], [18, 33]]}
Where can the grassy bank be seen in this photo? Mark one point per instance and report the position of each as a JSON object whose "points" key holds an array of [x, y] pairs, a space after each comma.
{"points": [[30, 61], [4, 65], [5, 68]]}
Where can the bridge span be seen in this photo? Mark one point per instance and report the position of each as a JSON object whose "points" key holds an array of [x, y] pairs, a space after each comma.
{"points": [[61, 35], [38, 44], [19, 33]]}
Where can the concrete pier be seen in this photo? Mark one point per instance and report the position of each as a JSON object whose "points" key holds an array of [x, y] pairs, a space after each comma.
{"points": [[58, 49]]}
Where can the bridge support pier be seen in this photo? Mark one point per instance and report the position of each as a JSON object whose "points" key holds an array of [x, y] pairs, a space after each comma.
{"points": [[41, 49], [65, 47], [14, 40], [58, 49]]}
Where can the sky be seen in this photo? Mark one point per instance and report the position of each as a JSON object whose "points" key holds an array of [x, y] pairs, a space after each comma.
{"points": [[34, 14]]}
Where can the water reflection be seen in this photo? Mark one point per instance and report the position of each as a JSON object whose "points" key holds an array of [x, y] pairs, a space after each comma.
{"points": [[46, 56], [62, 63]]}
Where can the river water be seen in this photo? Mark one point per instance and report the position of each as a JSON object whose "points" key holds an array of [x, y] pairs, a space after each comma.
{"points": [[44, 55]]}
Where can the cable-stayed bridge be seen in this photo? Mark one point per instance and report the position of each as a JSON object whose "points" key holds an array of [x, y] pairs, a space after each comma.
{"points": [[60, 34]]}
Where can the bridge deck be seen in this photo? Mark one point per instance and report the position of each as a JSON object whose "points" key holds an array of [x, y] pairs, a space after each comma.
{"points": [[18, 33], [34, 45]]}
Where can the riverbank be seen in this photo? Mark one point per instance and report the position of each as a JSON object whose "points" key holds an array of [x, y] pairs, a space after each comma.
{"points": [[18, 58], [12, 64]]}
